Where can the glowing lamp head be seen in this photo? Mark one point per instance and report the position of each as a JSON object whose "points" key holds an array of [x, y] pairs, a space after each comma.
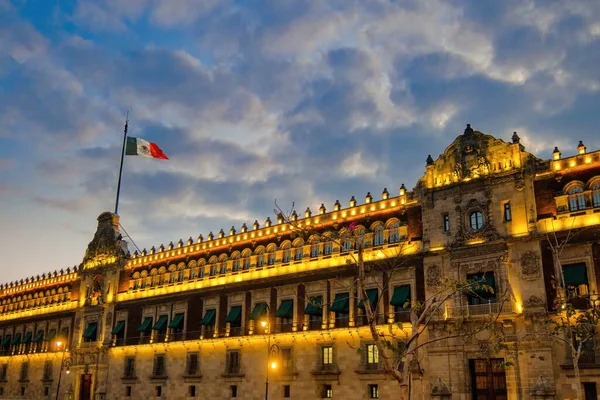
{"points": [[58, 344], [67, 372], [273, 365], [263, 324]]}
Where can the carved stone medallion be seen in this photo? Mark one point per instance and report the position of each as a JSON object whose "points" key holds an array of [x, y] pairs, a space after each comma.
{"points": [[530, 265], [433, 275]]}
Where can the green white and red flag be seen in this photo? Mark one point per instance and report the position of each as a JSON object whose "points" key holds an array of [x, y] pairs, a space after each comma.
{"points": [[144, 148]]}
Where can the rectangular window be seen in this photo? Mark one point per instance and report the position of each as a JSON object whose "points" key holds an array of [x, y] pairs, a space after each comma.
{"points": [[129, 369], [192, 391], [24, 372], [372, 356], [46, 391], [446, 223], [158, 369], [507, 212], [127, 391], [373, 391], [233, 362], [287, 361], [3, 370], [482, 289], [327, 392], [158, 391], [327, 355], [23, 391], [191, 368], [91, 332], [233, 390], [488, 379], [1, 391], [47, 371], [286, 391]]}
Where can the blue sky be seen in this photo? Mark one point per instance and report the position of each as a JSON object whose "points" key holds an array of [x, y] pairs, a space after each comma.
{"points": [[300, 101]]}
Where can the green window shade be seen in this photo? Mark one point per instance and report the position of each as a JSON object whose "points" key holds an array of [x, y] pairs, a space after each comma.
{"points": [[16, 339], [160, 324], [315, 306], [235, 314], [401, 296], [177, 322], [259, 310], [372, 294], [486, 279], [209, 317], [6, 341], [119, 327], [39, 337], [575, 274], [51, 334], [286, 309], [90, 331], [341, 303], [27, 338], [145, 327]]}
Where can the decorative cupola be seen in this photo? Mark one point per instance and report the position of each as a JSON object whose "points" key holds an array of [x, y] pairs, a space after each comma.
{"points": [[368, 198], [581, 148], [385, 194], [255, 225], [307, 213], [210, 236], [402, 190], [161, 248], [337, 205], [280, 218], [294, 216], [516, 138], [268, 222], [190, 241], [144, 252], [170, 246], [429, 160], [244, 228], [232, 231], [221, 234], [322, 209], [200, 238], [468, 130], [180, 244], [352, 202], [152, 250], [556, 153]]}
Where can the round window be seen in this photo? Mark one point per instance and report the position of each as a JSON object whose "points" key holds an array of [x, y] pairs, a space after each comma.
{"points": [[476, 220]]}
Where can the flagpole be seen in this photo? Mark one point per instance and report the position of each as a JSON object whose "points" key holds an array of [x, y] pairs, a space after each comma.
{"points": [[121, 168]]}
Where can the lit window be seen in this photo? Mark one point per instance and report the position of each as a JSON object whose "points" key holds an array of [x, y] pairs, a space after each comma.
{"points": [[394, 234], [446, 223], [314, 248], [373, 391], [476, 220], [327, 391], [378, 238], [507, 212], [576, 198], [327, 248], [596, 194], [327, 355], [372, 356]]}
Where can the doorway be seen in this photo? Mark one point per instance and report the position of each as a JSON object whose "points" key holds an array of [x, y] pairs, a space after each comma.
{"points": [[488, 379], [85, 391]]}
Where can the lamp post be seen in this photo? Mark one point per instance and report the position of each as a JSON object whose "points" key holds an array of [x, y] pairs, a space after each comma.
{"points": [[64, 363], [272, 351]]}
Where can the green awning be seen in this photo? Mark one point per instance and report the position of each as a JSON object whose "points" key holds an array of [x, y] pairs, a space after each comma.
{"points": [[315, 306], [235, 314], [486, 279], [176, 322], [401, 296], [575, 274], [16, 339], [51, 334], [341, 303], [118, 328], [27, 338], [286, 308], [259, 310], [6, 341], [145, 326], [372, 294], [90, 331], [39, 337], [160, 324], [209, 317]]}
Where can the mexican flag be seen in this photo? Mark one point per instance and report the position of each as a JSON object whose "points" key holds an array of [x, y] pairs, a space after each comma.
{"points": [[144, 148]]}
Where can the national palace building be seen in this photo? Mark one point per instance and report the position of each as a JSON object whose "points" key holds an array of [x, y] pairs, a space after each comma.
{"points": [[204, 317]]}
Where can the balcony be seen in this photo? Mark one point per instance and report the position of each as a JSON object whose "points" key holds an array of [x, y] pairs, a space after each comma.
{"points": [[475, 310]]}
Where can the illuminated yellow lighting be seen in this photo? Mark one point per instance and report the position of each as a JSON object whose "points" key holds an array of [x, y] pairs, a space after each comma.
{"points": [[263, 323], [334, 217], [373, 208], [252, 235], [344, 214], [476, 241], [519, 308], [438, 248], [307, 222], [353, 212], [316, 220], [273, 365], [260, 233], [58, 343], [588, 160], [572, 163], [382, 205], [362, 210], [394, 203], [67, 372], [582, 150]]}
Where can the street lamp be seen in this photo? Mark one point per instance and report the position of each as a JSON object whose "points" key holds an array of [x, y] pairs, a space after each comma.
{"points": [[64, 363], [272, 352]]}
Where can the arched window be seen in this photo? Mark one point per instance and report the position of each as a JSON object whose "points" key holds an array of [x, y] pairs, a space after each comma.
{"points": [[236, 262], [327, 247], [596, 194], [314, 248], [394, 232], [271, 255], [286, 252], [246, 260], [346, 242], [378, 237], [223, 261], [359, 237], [476, 220], [576, 198], [260, 257], [298, 250]]}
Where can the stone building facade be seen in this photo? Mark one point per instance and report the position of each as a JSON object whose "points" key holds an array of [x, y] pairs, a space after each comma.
{"points": [[205, 318]]}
